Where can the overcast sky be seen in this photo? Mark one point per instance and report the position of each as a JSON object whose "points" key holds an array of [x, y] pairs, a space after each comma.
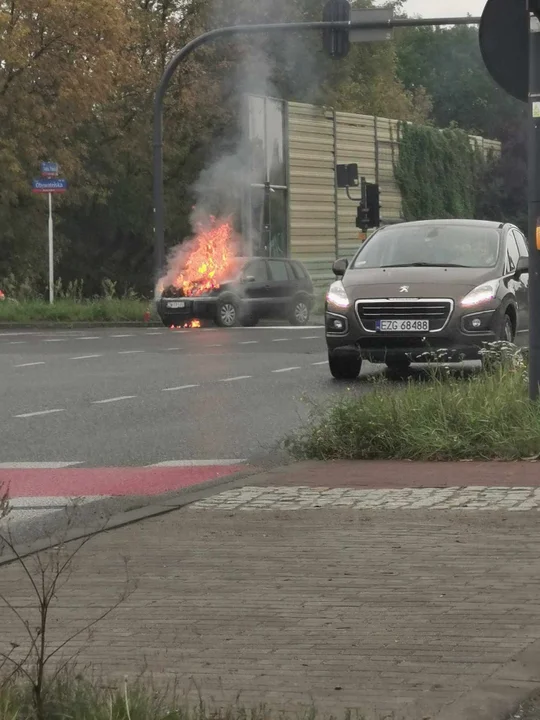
{"points": [[440, 8]]}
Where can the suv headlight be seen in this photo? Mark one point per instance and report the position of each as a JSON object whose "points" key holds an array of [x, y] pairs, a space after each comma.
{"points": [[481, 294], [337, 295]]}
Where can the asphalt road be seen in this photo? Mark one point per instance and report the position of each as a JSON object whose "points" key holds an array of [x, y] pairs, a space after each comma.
{"points": [[142, 397]]}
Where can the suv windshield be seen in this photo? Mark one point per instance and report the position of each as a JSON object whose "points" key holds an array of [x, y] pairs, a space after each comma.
{"points": [[431, 246]]}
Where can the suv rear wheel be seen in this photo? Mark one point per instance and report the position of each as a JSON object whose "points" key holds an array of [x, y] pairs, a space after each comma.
{"points": [[345, 367], [299, 314], [507, 329]]}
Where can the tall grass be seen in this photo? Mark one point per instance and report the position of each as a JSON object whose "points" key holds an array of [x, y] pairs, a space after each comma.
{"points": [[485, 416], [100, 310]]}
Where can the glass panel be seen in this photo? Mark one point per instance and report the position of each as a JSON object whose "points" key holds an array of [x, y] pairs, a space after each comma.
{"points": [[522, 243], [512, 253], [257, 270], [256, 140], [275, 154], [278, 223], [278, 271], [259, 226]]}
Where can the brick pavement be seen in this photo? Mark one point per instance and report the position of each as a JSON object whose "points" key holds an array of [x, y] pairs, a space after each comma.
{"points": [[380, 610]]}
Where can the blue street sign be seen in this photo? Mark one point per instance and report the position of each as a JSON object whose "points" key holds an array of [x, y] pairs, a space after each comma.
{"points": [[49, 185], [49, 169]]}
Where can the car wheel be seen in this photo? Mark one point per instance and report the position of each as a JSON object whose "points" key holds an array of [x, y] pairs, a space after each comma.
{"points": [[345, 367], [398, 363], [507, 330], [226, 313], [300, 312]]}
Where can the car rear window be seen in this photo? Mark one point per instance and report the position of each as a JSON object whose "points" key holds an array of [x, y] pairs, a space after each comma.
{"points": [[299, 271]]}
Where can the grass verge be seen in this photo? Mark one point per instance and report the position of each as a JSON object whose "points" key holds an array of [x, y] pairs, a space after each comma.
{"points": [[64, 310], [485, 416]]}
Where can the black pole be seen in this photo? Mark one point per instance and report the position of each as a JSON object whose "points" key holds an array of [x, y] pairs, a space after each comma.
{"points": [[534, 199], [159, 208]]}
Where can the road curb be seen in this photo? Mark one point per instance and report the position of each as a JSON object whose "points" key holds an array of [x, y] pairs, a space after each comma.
{"points": [[160, 505]]}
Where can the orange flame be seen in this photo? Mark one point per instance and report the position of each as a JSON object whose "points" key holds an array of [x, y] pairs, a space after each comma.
{"points": [[190, 324], [207, 261]]}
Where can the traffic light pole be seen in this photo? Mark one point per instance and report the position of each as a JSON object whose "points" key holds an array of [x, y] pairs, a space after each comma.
{"points": [[159, 205], [534, 199]]}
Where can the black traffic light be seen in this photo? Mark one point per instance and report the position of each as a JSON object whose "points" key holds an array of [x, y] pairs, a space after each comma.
{"points": [[369, 211], [336, 42], [373, 204], [347, 176]]}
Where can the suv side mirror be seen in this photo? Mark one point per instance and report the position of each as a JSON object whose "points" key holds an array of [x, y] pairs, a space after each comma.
{"points": [[522, 267], [340, 266]]}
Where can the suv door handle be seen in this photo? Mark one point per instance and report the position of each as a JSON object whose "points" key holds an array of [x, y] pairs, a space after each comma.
{"points": [[267, 287]]}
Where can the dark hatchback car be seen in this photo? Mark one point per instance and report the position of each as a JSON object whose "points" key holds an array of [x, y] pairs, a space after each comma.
{"points": [[417, 288], [258, 288]]}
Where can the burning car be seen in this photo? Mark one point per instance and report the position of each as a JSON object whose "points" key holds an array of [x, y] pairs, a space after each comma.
{"points": [[207, 279]]}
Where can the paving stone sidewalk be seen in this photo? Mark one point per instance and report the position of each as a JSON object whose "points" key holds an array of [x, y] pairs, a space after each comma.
{"points": [[425, 613]]}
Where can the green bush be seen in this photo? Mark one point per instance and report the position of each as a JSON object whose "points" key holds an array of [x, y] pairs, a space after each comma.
{"points": [[484, 416]]}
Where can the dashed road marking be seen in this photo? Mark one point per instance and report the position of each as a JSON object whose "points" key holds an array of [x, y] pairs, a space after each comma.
{"points": [[249, 342], [40, 412], [280, 339], [18, 342], [38, 465], [198, 463], [240, 377], [113, 400], [85, 357], [310, 337], [289, 369], [88, 337], [30, 364], [180, 387], [55, 340], [216, 345], [123, 336], [323, 362], [129, 352]]}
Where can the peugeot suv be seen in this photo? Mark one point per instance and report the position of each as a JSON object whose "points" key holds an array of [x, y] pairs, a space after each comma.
{"points": [[419, 288]]}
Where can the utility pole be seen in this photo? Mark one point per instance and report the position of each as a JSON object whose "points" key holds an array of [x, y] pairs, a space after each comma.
{"points": [[534, 199]]}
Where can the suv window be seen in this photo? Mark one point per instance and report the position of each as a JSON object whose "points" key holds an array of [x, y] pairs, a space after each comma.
{"points": [[299, 271], [521, 243], [279, 271], [512, 253], [256, 269]]}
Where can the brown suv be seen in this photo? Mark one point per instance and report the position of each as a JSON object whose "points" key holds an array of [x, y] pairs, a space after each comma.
{"points": [[420, 287]]}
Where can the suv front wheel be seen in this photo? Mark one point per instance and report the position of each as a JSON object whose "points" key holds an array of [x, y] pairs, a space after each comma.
{"points": [[345, 367]]}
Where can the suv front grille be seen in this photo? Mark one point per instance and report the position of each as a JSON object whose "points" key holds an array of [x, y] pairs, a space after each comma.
{"points": [[436, 311]]}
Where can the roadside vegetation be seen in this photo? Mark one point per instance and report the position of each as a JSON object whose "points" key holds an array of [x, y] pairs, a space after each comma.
{"points": [[445, 414], [24, 304]]}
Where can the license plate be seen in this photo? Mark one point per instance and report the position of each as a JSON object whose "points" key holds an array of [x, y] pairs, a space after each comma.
{"points": [[176, 305], [403, 325]]}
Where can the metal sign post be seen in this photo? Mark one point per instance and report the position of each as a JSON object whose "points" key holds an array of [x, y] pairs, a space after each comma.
{"points": [[50, 184], [534, 199]]}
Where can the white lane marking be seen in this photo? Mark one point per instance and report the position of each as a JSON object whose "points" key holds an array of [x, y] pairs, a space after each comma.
{"points": [[88, 337], [198, 463], [216, 345], [40, 412], [129, 352], [55, 340], [323, 362], [41, 362], [310, 337], [14, 334], [85, 357], [249, 342], [122, 336], [155, 332], [232, 379], [286, 369], [180, 387], [18, 342], [114, 399], [172, 349], [280, 340], [38, 465]]}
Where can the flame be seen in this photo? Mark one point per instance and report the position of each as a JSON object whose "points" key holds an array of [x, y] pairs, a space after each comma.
{"points": [[208, 260], [190, 324]]}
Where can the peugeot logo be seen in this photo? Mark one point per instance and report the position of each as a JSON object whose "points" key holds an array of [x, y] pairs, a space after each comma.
{"points": [[404, 289]]}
